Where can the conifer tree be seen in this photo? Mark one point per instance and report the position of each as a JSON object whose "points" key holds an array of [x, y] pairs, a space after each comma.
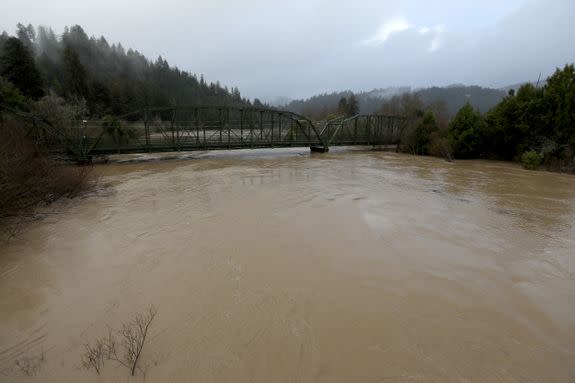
{"points": [[17, 66], [75, 73]]}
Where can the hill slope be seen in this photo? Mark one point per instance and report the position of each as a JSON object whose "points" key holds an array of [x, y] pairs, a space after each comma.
{"points": [[110, 78]]}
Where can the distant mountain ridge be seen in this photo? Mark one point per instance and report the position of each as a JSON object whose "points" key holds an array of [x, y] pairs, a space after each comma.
{"points": [[453, 96]]}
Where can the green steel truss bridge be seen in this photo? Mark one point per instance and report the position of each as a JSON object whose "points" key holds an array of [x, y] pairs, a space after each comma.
{"points": [[210, 128]]}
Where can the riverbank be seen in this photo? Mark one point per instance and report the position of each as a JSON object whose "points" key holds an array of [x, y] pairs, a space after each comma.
{"points": [[30, 177]]}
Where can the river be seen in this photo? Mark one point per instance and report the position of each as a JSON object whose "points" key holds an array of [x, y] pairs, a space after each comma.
{"points": [[286, 266]]}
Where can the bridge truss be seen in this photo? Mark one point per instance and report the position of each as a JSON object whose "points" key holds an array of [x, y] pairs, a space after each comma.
{"points": [[211, 128]]}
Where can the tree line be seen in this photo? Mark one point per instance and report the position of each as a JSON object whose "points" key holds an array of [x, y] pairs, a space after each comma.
{"points": [[108, 79], [534, 125]]}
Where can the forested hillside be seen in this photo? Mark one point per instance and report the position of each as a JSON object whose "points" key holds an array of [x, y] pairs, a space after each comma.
{"points": [[111, 79], [455, 97], [452, 97], [319, 106]]}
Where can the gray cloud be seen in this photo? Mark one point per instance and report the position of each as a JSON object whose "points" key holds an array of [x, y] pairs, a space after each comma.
{"points": [[302, 47]]}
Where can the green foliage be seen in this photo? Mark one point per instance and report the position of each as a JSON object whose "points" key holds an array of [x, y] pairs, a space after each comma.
{"points": [[538, 118], [560, 105], [114, 128], [10, 96], [17, 66], [466, 132], [531, 124], [517, 123], [531, 160], [420, 139]]}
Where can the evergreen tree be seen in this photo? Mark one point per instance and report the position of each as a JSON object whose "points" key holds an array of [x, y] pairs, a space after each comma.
{"points": [[11, 96], [421, 139], [17, 66], [110, 78], [75, 73], [3, 38], [26, 34], [516, 124], [560, 102], [466, 132], [352, 106], [342, 106], [47, 43]]}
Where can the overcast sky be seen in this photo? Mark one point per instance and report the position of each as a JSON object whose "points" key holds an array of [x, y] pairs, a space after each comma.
{"points": [[297, 48]]}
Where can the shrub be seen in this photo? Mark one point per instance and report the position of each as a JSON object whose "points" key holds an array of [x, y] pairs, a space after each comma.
{"points": [[466, 132], [422, 133], [29, 176], [418, 133], [11, 96], [531, 160], [120, 133], [60, 112], [439, 145]]}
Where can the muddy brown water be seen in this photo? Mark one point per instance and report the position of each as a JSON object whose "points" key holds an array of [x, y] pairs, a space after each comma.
{"points": [[290, 267]]}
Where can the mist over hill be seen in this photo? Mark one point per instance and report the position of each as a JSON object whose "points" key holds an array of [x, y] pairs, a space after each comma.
{"points": [[108, 77], [457, 96], [452, 96]]}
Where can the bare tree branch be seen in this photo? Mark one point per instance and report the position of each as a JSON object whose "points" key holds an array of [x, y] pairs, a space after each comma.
{"points": [[132, 337]]}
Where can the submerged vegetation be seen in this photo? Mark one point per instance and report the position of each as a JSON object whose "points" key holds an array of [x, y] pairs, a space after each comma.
{"points": [[123, 346]]}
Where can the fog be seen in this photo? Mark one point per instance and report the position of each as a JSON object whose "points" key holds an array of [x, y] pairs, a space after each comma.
{"points": [[303, 47]]}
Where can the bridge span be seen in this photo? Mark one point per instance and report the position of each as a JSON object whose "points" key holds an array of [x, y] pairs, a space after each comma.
{"points": [[210, 128]]}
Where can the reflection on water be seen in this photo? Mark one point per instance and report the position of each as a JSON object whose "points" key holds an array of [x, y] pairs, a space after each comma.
{"points": [[349, 266]]}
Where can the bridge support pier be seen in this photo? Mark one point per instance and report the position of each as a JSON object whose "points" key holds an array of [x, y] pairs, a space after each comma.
{"points": [[319, 149]]}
